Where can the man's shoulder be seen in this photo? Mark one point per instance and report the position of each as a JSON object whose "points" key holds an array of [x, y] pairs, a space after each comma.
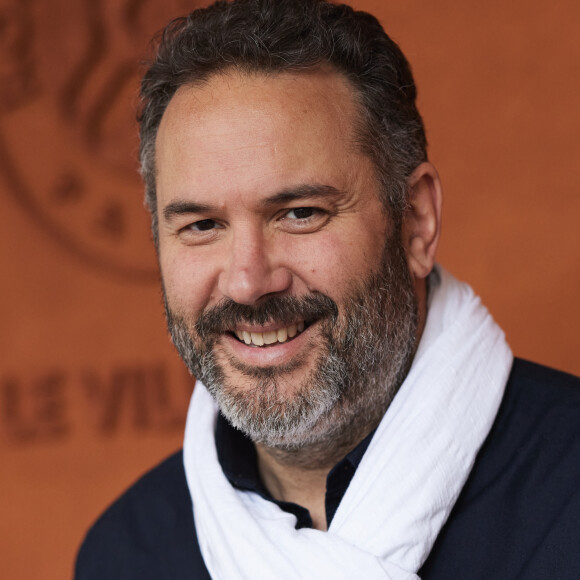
{"points": [[538, 376], [534, 444], [541, 405], [148, 533], [519, 512]]}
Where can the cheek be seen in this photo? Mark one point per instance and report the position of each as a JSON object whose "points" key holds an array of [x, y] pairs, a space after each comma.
{"points": [[331, 263], [188, 281]]}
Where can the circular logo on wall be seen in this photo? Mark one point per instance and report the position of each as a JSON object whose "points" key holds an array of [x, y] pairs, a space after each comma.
{"points": [[69, 76]]}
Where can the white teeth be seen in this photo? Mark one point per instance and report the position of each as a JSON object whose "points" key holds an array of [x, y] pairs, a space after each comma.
{"points": [[258, 338], [270, 337]]}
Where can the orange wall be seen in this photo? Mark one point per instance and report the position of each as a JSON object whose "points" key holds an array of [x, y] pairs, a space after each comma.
{"points": [[91, 393]]}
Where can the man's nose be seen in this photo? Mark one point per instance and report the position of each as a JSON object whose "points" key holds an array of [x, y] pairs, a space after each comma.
{"points": [[253, 270]]}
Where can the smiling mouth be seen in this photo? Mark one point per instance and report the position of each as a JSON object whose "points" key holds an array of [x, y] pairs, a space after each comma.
{"points": [[280, 335]]}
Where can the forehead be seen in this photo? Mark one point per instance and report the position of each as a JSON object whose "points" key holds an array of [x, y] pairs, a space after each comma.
{"points": [[237, 95], [243, 131]]}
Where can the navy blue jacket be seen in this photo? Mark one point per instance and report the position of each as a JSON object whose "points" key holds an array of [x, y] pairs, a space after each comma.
{"points": [[518, 515]]}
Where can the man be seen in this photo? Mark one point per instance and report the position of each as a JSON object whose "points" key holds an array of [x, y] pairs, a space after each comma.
{"points": [[372, 422]]}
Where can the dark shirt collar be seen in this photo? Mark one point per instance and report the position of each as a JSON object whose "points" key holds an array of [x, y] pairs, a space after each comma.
{"points": [[237, 456]]}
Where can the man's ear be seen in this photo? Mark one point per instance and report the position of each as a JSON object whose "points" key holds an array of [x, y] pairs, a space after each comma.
{"points": [[422, 219]]}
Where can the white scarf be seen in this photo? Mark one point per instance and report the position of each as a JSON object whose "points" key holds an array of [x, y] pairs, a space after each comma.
{"points": [[406, 484]]}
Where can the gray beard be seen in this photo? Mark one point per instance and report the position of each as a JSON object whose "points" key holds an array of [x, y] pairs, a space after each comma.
{"points": [[366, 348]]}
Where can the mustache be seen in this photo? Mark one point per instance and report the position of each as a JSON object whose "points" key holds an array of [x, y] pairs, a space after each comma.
{"points": [[285, 310]]}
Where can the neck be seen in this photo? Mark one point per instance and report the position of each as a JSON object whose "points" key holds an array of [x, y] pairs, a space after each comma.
{"points": [[299, 475], [294, 482]]}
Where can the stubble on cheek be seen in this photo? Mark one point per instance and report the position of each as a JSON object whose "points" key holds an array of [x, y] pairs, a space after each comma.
{"points": [[201, 341], [332, 396]]}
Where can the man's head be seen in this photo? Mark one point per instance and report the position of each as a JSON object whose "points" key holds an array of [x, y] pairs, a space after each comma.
{"points": [[270, 36], [290, 273]]}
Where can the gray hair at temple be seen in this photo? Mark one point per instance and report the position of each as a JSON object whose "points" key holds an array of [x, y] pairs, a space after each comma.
{"points": [[272, 36]]}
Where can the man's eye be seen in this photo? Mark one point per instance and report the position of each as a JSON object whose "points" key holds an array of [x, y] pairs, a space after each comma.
{"points": [[303, 220], [301, 213], [200, 232], [204, 225]]}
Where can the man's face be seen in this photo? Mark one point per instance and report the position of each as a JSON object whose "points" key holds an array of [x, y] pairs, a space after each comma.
{"points": [[287, 291]]}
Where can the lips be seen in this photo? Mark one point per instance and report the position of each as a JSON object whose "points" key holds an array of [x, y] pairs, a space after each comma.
{"points": [[266, 338], [274, 321]]}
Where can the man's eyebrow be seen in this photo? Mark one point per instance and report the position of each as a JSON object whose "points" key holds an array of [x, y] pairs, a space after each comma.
{"points": [[177, 208], [301, 192], [181, 207]]}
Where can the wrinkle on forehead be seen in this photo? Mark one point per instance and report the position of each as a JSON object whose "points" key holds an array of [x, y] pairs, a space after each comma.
{"points": [[233, 99], [238, 132]]}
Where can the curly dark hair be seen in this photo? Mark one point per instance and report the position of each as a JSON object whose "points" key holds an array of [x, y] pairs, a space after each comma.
{"points": [[272, 36]]}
